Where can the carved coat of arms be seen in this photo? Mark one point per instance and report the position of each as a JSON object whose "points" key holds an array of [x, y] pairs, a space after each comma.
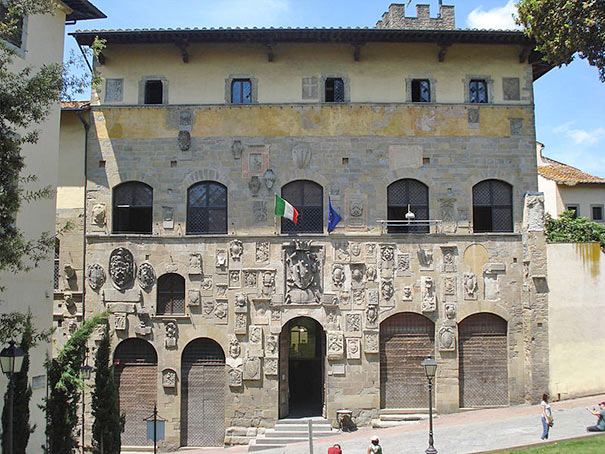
{"points": [[303, 274]]}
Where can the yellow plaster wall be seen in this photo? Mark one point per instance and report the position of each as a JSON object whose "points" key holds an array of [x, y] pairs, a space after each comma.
{"points": [[70, 189], [378, 77], [576, 284], [317, 120]]}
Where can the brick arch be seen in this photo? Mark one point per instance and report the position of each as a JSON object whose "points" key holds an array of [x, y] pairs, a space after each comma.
{"points": [[294, 174], [476, 307], [114, 179], [206, 174]]}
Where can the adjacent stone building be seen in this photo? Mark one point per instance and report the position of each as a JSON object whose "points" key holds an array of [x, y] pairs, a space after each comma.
{"points": [[230, 317]]}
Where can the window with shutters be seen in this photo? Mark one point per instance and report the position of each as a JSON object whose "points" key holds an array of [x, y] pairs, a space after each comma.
{"points": [[477, 91], [492, 206], [206, 208], [171, 294], [421, 90], [334, 90], [307, 197], [404, 194], [241, 91], [132, 208]]}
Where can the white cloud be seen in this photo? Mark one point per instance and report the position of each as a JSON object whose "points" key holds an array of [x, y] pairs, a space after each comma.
{"points": [[499, 18], [246, 13], [580, 136]]}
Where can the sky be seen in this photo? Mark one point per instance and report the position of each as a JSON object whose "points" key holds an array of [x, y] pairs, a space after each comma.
{"points": [[569, 101]]}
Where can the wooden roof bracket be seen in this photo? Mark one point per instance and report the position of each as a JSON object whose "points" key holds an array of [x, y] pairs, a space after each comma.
{"points": [[101, 58], [183, 45], [357, 51], [270, 53], [442, 51], [524, 54]]}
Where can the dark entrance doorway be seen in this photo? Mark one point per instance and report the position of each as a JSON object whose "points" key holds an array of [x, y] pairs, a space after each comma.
{"points": [[302, 354]]}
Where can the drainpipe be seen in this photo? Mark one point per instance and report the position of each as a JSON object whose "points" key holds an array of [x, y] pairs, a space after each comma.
{"points": [[86, 124]]}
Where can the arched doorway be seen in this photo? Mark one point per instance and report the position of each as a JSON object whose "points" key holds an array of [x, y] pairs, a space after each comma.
{"points": [[302, 353], [405, 340], [483, 361], [135, 372], [203, 394]]}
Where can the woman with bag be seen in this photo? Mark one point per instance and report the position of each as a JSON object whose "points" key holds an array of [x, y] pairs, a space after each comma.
{"points": [[547, 419]]}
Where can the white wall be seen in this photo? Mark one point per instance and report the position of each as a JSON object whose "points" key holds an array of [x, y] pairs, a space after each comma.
{"points": [[576, 280], [585, 195]]}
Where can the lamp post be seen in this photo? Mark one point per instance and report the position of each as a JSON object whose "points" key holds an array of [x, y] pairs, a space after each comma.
{"points": [[85, 372], [430, 367], [11, 360]]}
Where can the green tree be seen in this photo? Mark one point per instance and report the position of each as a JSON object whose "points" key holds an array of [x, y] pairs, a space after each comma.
{"points": [[563, 28], [568, 229], [108, 424], [22, 391], [65, 388]]}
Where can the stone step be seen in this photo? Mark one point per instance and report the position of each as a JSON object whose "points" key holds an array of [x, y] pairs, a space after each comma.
{"points": [[270, 433], [406, 417], [303, 427], [404, 411], [288, 431]]}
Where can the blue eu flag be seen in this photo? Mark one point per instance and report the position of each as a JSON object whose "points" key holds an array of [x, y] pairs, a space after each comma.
{"points": [[333, 217]]}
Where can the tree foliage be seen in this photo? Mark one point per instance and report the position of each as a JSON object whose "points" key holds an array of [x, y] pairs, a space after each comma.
{"points": [[22, 392], [65, 389], [567, 229], [108, 424], [563, 28]]}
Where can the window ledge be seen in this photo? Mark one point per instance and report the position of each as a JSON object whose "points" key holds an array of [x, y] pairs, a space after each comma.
{"points": [[171, 317]]}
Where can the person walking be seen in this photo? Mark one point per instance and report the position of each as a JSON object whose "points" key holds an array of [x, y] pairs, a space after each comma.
{"points": [[547, 419], [374, 447], [600, 427]]}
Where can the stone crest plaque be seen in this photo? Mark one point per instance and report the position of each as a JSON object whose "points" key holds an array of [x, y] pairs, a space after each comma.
{"points": [[121, 267], [303, 273]]}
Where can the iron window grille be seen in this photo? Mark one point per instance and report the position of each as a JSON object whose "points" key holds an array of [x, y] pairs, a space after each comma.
{"points": [[171, 294], [477, 90], [241, 91], [56, 270], [207, 208], [335, 90], [135, 352], [154, 92], [421, 90], [597, 212], [132, 208], [307, 197], [404, 193], [492, 207]]}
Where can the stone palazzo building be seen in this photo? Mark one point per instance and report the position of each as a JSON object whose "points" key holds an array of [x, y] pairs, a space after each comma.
{"points": [[231, 318]]}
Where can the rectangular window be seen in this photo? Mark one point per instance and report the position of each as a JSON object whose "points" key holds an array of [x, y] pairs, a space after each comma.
{"points": [[575, 209], [421, 90], [477, 90], [241, 91], [15, 38], [335, 90], [154, 91], [56, 271], [597, 212]]}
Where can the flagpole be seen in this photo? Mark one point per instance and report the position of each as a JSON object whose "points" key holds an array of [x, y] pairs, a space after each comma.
{"points": [[274, 216]]}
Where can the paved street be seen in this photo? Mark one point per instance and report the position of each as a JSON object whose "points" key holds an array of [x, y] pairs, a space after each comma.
{"points": [[469, 432]]}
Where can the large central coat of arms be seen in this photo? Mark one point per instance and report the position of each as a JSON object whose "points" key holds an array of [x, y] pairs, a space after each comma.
{"points": [[303, 273]]}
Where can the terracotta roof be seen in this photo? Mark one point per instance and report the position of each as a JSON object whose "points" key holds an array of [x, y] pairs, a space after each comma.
{"points": [[564, 174], [73, 105]]}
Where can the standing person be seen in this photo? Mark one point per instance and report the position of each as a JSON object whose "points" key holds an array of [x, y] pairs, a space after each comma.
{"points": [[600, 427], [546, 416], [335, 449], [374, 447]]}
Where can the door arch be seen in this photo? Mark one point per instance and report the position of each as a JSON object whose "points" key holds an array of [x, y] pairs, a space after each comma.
{"points": [[203, 382], [302, 371], [135, 372], [405, 340], [483, 362]]}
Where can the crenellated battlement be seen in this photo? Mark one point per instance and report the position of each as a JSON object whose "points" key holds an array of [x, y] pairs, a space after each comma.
{"points": [[395, 18]]}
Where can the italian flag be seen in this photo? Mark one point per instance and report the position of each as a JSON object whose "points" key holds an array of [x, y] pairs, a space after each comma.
{"points": [[284, 209]]}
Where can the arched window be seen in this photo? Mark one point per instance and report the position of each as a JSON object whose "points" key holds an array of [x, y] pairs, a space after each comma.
{"points": [[307, 197], [132, 208], [406, 192], [206, 208], [492, 206], [171, 294]]}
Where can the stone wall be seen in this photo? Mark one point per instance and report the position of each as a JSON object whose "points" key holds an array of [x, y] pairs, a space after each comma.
{"points": [[395, 18]]}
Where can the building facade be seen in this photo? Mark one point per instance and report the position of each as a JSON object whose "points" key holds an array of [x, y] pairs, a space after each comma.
{"points": [[231, 318]]}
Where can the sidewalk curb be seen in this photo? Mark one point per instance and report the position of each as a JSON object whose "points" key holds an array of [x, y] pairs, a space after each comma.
{"points": [[538, 445]]}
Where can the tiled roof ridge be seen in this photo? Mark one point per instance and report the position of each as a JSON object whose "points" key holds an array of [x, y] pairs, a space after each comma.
{"points": [[193, 29]]}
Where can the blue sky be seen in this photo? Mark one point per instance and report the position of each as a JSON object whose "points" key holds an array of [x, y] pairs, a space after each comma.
{"points": [[570, 101]]}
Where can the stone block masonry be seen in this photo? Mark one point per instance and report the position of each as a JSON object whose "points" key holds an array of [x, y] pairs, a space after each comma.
{"points": [[395, 18]]}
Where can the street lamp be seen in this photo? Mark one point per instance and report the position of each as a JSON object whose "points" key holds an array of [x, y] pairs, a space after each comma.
{"points": [[85, 372], [11, 360], [430, 368]]}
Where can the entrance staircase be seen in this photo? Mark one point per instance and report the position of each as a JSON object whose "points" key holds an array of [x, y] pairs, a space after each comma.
{"points": [[391, 417], [291, 430]]}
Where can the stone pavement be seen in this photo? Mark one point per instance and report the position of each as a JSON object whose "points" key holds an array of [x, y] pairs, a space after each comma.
{"points": [[459, 433]]}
